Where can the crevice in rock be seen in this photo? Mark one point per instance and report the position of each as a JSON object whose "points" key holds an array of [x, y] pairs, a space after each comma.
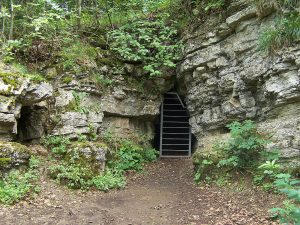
{"points": [[31, 123]]}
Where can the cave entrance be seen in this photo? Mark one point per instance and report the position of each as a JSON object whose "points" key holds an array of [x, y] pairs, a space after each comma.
{"points": [[174, 138], [30, 123]]}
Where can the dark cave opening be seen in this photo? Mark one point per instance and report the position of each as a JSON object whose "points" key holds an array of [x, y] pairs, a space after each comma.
{"points": [[30, 124], [173, 137]]}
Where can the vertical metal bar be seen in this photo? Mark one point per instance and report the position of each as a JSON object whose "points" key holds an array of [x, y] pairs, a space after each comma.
{"points": [[190, 142], [161, 128]]}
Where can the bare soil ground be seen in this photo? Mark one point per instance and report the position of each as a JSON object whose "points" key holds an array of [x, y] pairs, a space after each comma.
{"points": [[164, 194]]}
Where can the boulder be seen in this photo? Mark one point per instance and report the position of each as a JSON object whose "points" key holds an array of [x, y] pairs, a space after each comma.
{"points": [[36, 93], [13, 155], [91, 154]]}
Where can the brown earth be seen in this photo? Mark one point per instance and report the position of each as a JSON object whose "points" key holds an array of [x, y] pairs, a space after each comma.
{"points": [[164, 194]]}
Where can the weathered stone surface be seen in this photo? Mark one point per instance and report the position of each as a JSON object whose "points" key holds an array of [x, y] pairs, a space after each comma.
{"points": [[36, 93], [13, 155], [129, 127], [232, 80], [89, 153], [18, 92], [245, 14], [74, 123]]}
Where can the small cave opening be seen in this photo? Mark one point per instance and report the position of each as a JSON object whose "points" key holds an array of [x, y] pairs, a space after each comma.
{"points": [[31, 126], [173, 137]]}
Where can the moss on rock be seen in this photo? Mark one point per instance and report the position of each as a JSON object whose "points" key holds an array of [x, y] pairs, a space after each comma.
{"points": [[87, 154], [13, 154], [14, 80]]}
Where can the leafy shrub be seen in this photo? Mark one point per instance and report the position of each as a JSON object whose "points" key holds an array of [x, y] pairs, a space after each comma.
{"points": [[285, 32], [286, 29], [74, 176], [242, 151], [78, 57], [214, 4], [8, 50], [58, 144], [245, 145], [75, 169], [102, 81], [131, 156], [78, 172], [149, 155], [149, 42], [109, 180], [17, 185], [76, 104], [267, 173], [78, 176], [203, 169], [290, 214]]}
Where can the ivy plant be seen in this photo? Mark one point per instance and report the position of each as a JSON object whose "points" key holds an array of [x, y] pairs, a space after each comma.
{"points": [[150, 42]]}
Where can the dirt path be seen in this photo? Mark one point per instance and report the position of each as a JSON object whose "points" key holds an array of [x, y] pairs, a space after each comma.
{"points": [[165, 194]]}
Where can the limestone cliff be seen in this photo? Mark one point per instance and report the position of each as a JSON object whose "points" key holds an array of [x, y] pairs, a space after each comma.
{"points": [[225, 77]]}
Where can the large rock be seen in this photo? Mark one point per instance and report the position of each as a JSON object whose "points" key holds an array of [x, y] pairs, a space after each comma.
{"points": [[35, 93], [75, 123], [13, 155], [91, 154], [230, 79], [18, 90]]}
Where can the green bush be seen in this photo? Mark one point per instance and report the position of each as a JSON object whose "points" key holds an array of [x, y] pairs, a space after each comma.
{"points": [[78, 57], [74, 170], [77, 176], [204, 170], [77, 172], [58, 144], [244, 150], [132, 157], [150, 42], [287, 27], [74, 176], [285, 32], [290, 213], [245, 146], [214, 4], [267, 173], [17, 185], [102, 81], [109, 180], [76, 104]]}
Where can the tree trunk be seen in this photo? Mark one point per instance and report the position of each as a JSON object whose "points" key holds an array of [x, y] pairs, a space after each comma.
{"points": [[11, 31], [79, 3], [3, 28], [3, 21]]}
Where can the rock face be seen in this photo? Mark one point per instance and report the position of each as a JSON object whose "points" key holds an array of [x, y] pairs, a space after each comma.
{"points": [[123, 109], [13, 155], [89, 153], [225, 77], [17, 91]]}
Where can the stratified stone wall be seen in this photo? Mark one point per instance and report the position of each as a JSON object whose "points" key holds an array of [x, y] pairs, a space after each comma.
{"points": [[225, 77]]}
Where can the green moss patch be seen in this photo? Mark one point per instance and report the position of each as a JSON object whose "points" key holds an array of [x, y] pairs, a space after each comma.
{"points": [[13, 154], [14, 80]]}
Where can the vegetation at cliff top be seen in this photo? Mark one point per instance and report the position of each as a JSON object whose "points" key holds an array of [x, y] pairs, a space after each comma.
{"points": [[287, 25], [76, 36]]}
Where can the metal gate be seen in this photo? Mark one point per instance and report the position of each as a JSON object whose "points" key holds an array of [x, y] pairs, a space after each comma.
{"points": [[175, 131]]}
